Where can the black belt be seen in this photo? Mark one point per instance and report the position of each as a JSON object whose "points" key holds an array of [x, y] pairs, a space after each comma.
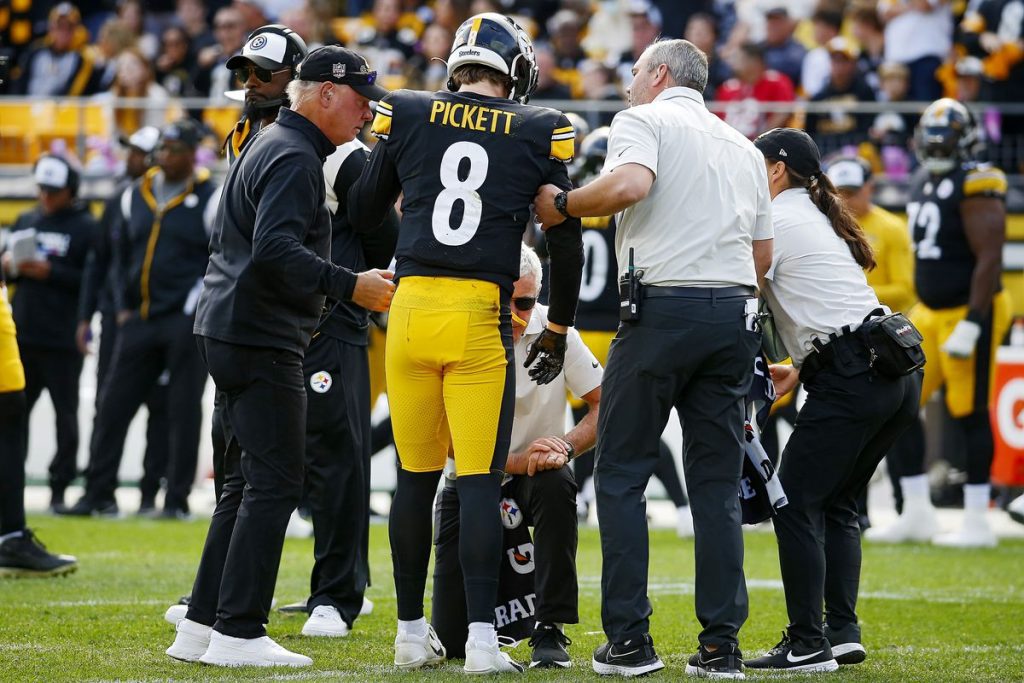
{"points": [[710, 293]]}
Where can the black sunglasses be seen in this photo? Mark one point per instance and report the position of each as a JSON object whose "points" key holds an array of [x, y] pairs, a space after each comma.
{"points": [[525, 303], [264, 75]]}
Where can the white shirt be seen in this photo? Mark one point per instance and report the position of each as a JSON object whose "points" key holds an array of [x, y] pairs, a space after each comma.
{"points": [[814, 287], [913, 34], [709, 199], [540, 409]]}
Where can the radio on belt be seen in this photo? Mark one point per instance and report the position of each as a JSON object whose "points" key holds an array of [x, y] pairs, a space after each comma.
{"points": [[630, 292]]}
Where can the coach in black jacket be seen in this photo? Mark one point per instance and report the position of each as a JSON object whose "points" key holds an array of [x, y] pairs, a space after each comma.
{"points": [[265, 287], [46, 306]]}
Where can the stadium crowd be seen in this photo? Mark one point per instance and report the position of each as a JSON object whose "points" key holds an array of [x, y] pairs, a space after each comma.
{"points": [[766, 57], [277, 269]]}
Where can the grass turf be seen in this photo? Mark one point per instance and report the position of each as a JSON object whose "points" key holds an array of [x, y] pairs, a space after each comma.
{"points": [[928, 614]]}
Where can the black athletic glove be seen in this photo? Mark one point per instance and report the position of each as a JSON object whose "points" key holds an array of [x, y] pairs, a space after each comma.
{"points": [[550, 346]]}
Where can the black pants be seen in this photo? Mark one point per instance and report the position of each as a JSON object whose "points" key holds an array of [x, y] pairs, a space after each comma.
{"points": [[548, 504], [57, 371], [338, 473], [695, 355], [266, 408], [13, 440], [851, 418], [145, 348], [158, 438]]}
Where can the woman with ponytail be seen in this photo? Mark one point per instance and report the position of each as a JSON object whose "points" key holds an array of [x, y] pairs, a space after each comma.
{"points": [[820, 298]]}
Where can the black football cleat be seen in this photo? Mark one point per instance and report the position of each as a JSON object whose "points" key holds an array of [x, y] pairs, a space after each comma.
{"points": [[792, 657], [634, 657], [24, 556], [549, 643]]}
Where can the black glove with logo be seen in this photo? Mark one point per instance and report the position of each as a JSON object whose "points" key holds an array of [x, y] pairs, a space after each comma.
{"points": [[550, 346]]}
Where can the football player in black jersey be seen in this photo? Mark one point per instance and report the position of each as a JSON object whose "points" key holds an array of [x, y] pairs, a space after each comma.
{"points": [[957, 216], [467, 163], [597, 319]]}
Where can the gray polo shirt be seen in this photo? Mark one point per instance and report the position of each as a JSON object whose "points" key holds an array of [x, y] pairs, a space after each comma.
{"points": [[709, 200]]}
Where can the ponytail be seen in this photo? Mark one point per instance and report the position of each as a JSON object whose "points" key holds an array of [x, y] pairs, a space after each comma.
{"points": [[829, 202]]}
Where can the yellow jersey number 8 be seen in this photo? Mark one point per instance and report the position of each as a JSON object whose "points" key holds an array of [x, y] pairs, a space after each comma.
{"points": [[465, 191]]}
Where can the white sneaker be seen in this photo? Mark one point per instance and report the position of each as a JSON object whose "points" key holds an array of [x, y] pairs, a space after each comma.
{"points": [[1016, 509], [191, 641], [416, 652], [974, 533], [917, 523], [325, 621], [684, 522], [229, 651], [367, 607], [487, 658], [298, 527], [175, 613]]}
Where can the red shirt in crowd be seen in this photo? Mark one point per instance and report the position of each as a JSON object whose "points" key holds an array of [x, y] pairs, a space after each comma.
{"points": [[742, 112]]}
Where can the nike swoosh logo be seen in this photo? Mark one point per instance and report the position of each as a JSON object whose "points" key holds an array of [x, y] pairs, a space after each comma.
{"points": [[623, 151], [613, 655], [595, 363], [790, 657]]}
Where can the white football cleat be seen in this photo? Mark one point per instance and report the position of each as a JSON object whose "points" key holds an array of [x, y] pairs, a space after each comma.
{"points": [[298, 527], [974, 533], [917, 523], [416, 652], [229, 651], [175, 613], [325, 621], [367, 608], [191, 641], [487, 658]]}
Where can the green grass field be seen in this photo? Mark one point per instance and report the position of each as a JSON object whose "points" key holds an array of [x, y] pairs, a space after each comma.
{"points": [[928, 614]]}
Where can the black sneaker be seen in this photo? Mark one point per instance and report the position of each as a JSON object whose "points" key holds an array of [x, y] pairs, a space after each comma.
{"points": [[846, 645], [87, 508], [549, 643], [24, 556], [294, 608], [634, 657], [794, 657], [724, 662]]}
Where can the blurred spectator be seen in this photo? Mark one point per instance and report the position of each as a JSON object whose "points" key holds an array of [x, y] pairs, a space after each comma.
{"points": [[384, 44], [174, 64], [753, 84], [817, 64], [115, 37], [547, 87], [845, 86], [892, 129], [450, 14], [781, 52], [305, 21], [918, 33], [676, 14], [191, 15], [606, 39], [969, 75], [133, 14], [427, 69], [212, 79], [992, 31], [599, 84], [868, 30], [135, 79], [645, 23], [253, 13], [46, 305], [565, 33], [702, 31], [57, 65]]}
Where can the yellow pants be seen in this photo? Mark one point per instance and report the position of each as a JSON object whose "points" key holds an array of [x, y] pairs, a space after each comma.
{"points": [[450, 375], [968, 381]]}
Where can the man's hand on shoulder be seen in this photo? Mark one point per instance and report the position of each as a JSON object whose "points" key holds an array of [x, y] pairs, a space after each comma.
{"points": [[374, 289]]}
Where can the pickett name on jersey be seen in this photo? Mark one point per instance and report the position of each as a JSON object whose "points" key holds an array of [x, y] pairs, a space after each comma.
{"points": [[472, 117]]}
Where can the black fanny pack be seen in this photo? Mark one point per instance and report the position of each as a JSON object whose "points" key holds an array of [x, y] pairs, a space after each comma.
{"points": [[894, 343]]}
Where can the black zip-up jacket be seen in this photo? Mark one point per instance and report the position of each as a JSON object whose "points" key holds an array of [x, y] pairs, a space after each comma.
{"points": [[98, 278], [162, 251], [269, 268], [46, 311]]}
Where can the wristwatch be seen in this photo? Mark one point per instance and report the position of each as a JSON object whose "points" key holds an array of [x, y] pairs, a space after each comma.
{"points": [[561, 202], [571, 450]]}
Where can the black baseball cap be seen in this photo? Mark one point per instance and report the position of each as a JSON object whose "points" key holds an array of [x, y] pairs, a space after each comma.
{"points": [[793, 147], [334, 64], [185, 131]]}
